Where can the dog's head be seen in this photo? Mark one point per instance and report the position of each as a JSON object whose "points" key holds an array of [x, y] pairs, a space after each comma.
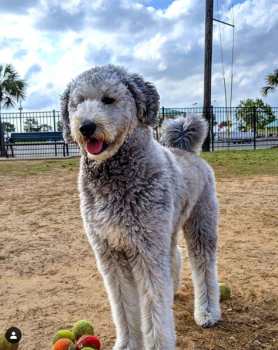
{"points": [[103, 105]]}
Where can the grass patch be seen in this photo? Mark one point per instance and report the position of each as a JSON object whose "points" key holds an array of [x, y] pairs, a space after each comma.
{"points": [[227, 164], [19, 250], [23, 168], [45, 214], [70, 192], [3, 257], [22, 211]]}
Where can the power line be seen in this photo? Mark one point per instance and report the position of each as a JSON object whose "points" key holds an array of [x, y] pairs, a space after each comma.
{"points": [[230, 10], [208, 66], [233, 50], [222, 58]]}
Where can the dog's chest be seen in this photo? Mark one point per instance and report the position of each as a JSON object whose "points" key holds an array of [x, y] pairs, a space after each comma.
{"points": [[118, 202], [114, 216], [114, 225], [116, 236]]}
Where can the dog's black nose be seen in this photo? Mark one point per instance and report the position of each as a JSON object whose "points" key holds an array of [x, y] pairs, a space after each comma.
{"points": [[88, 129]]}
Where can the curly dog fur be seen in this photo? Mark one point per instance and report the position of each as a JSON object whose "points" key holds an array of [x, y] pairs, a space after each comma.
{"points": [[136, 196]]}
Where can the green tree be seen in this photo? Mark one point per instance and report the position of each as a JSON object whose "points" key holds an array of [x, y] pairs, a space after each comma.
{"points": [[32, 125], [8, 127], [45, 127], [272, 83], [59, 126], [12, 89], [214, 121], [225, 123], [242, 126], [249, 110]]}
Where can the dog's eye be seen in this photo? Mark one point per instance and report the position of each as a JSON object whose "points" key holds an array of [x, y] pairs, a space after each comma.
{"points": [[107, 100]]}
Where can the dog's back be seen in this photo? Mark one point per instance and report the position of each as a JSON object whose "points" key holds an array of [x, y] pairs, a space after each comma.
{"points": [[184, 137]]}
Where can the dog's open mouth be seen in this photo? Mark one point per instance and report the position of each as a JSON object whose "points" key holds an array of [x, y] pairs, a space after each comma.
{"points": [[96, 147]]}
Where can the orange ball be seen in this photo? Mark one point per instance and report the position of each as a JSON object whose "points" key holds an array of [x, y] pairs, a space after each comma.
{"points": [[62, 344]]}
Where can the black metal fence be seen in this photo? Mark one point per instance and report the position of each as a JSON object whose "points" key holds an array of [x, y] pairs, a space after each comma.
{"points": [[230, 128], [236, 127]]}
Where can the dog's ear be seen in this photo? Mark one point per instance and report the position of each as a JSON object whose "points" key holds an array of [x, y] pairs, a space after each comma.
{"points": [[146, 98], [65, 114]]}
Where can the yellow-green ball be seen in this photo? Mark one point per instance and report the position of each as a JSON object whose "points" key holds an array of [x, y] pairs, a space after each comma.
{"points": [[225, 291], [5, 345], [87, 349], [82, 327], [64, 334]]}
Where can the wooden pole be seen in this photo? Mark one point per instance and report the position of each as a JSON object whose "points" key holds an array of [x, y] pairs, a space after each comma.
{"points": [[207, 69]]}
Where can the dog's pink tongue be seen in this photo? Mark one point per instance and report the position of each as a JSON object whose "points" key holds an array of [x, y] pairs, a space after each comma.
{"points": [[94, 147]]}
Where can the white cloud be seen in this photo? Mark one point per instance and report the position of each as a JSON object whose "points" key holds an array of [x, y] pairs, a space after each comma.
{"points": [[150, 49], [177, 8], [66, 37]]}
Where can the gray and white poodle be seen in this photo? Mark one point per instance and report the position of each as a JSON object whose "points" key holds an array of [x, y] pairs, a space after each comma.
{"points": [[136, 196]]}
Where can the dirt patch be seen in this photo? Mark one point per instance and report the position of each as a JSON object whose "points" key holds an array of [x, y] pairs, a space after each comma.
{"points": [[49, 278]]}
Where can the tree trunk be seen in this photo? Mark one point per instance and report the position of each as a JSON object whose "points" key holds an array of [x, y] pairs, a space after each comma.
{"points": [[3, 151]]}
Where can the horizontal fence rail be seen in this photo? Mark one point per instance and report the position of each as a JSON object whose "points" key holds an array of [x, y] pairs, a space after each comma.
{"points": [[230, 128]]}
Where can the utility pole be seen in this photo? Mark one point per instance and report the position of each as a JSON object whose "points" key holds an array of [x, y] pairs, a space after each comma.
{"points": [[207, 69], [207, 108]]}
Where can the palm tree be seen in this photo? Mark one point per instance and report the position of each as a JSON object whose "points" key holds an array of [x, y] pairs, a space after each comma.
{"points": [[12, 89], [272, 83]]}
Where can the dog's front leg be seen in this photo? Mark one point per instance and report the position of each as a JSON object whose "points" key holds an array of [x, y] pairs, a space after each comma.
{"points": [[155, 286], [123, 296]]}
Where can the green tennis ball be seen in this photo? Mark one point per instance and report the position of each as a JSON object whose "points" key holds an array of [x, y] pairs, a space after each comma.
{"points": [[63, 334], [5, 345], [225, 291], [87, 349], [82, 327]]}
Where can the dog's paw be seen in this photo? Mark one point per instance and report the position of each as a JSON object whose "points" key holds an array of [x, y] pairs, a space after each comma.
{"points": [[127, 345], [207, 317], [119, 346]]}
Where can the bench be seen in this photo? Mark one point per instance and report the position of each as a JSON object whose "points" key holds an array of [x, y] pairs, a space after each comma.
{"points": [[37, 139]]}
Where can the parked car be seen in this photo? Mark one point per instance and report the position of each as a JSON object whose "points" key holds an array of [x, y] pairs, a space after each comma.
{"points": [[234, 136]]}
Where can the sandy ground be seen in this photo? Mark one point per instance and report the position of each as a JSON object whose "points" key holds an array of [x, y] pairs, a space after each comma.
{"points": [[49, 279]]}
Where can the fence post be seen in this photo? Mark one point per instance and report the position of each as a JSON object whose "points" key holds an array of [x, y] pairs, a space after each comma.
{"points": [[54, 120], [211, 128], [255, 126]]}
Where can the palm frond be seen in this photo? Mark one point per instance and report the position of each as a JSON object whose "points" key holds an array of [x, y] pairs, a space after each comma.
{"points": [[8, 102], [9, 70], [12, 88], [266, 89], [271, 79], [272, 83]]}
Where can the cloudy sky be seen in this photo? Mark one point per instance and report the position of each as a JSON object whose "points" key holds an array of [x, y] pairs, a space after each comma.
{"points": [[49, 42]]}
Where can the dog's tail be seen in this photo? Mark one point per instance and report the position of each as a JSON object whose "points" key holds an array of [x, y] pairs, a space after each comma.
{"points": [[187, 133]]}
